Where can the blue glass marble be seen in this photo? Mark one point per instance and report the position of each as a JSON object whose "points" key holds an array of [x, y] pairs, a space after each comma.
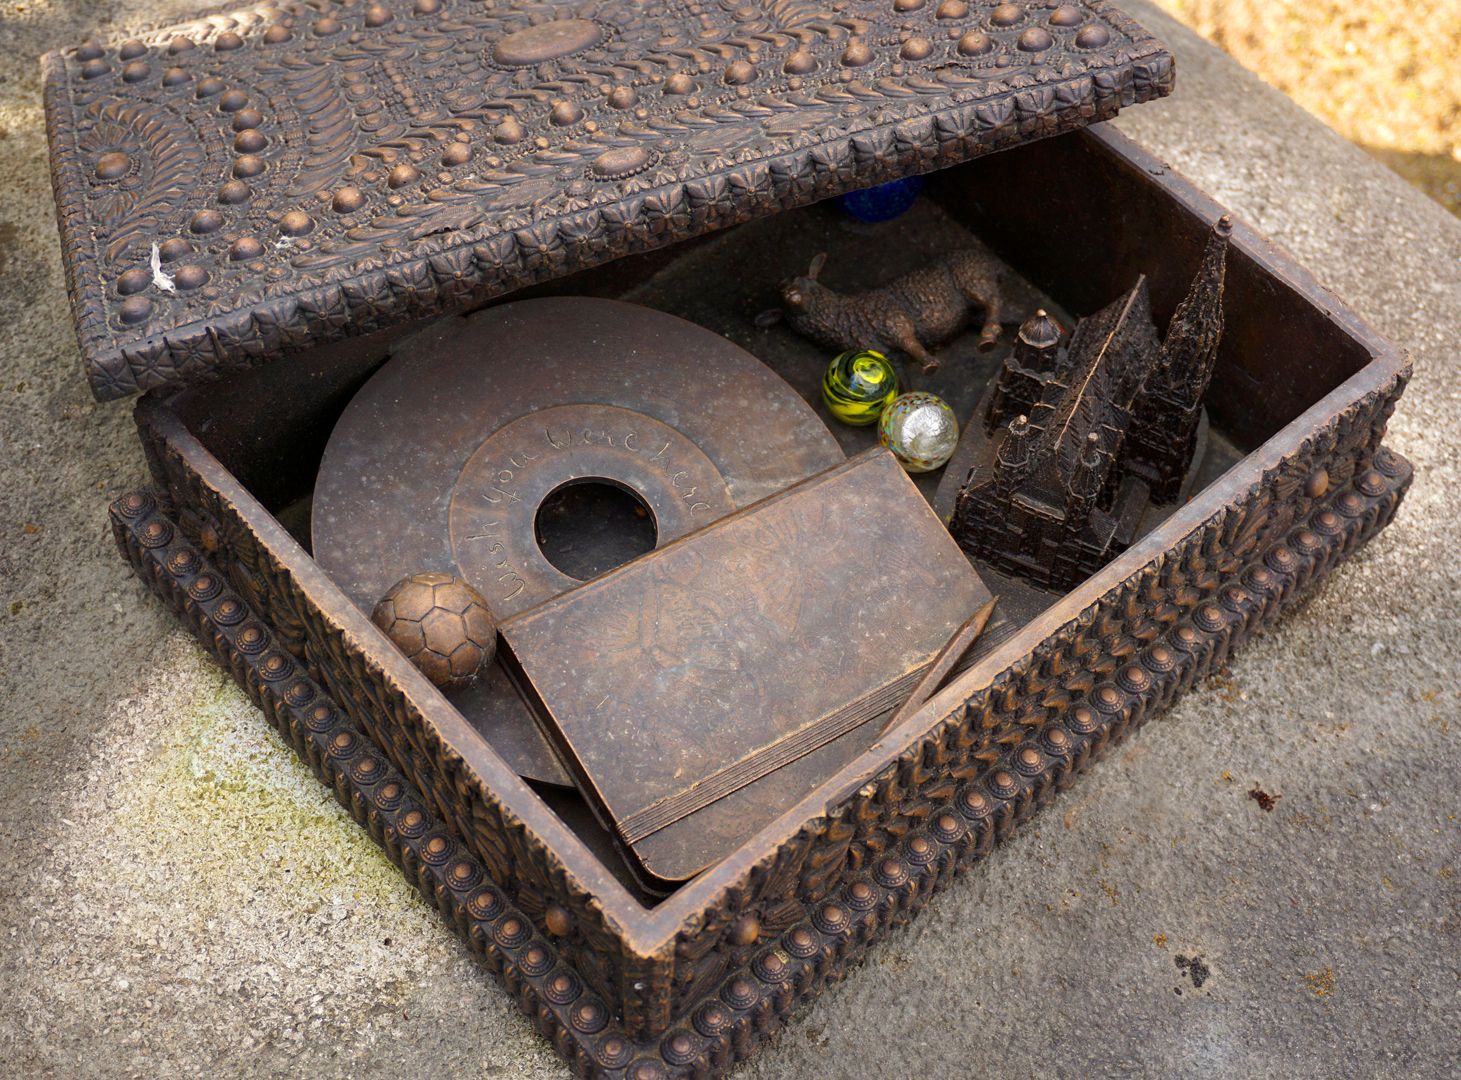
{"points": [[881, 203]]}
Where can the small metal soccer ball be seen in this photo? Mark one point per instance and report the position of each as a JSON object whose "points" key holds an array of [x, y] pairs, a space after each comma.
{"points": [[442, 625]]}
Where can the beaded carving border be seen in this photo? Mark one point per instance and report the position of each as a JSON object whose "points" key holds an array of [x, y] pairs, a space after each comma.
{"points": [[751, 1003], [365, 182]]}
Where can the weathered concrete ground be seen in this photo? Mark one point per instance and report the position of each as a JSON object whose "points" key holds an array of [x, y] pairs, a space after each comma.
{"points": [[179, 896], [1383, 75]]}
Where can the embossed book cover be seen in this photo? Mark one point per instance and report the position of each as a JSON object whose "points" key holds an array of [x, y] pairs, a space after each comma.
{"points": [[698, 692]]}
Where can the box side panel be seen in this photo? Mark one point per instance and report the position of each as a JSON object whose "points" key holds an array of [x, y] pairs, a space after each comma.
{"points": [[269, 426], [448, 876], [1122, 657], [751, 990], [229, 528], [1091, 211]]}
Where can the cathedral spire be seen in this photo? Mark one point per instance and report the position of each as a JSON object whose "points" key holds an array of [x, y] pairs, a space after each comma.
{"points": [[1086, 480], [1168, 411], [1190, 348], [1013, 458]]}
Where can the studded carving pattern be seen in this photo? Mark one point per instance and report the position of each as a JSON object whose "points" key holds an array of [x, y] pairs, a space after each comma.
{"points": [[245, 186], [997, 757], [929, 820], [217, 519], [1002, 753]]}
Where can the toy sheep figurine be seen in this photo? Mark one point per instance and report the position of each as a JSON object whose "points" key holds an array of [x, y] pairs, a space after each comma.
{"points": [[924, 307]]}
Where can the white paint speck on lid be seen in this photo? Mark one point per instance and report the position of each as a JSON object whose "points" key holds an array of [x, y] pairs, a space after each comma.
{"points": [[160, 277]]}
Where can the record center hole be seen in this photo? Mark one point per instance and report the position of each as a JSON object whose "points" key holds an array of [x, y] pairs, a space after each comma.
{"points": [[587, 527]]}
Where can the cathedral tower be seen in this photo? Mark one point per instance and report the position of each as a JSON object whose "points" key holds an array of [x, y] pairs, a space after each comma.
{"points": [[1164, 433]]}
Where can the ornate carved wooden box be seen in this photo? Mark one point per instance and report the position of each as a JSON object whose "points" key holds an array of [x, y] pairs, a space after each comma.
{"points": [[257, 187]]}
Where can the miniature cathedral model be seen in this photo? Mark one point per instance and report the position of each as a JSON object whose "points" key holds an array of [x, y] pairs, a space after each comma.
{"points": [[1082, 438]]}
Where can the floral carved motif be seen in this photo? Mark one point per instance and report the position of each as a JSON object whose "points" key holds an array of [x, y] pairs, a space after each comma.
{"points": [[240, 187]]}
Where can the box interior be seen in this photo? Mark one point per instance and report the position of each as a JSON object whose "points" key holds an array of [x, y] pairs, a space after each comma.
{"points": [[1077, 220]]}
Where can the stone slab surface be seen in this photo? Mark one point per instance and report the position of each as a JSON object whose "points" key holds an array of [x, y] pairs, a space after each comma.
{"points": [[180, 897]]}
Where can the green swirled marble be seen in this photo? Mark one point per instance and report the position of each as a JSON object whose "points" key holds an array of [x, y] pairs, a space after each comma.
{"points": [[857, 385]]}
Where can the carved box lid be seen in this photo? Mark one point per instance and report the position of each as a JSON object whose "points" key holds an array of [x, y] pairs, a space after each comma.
{"points": [[253, 184]]}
